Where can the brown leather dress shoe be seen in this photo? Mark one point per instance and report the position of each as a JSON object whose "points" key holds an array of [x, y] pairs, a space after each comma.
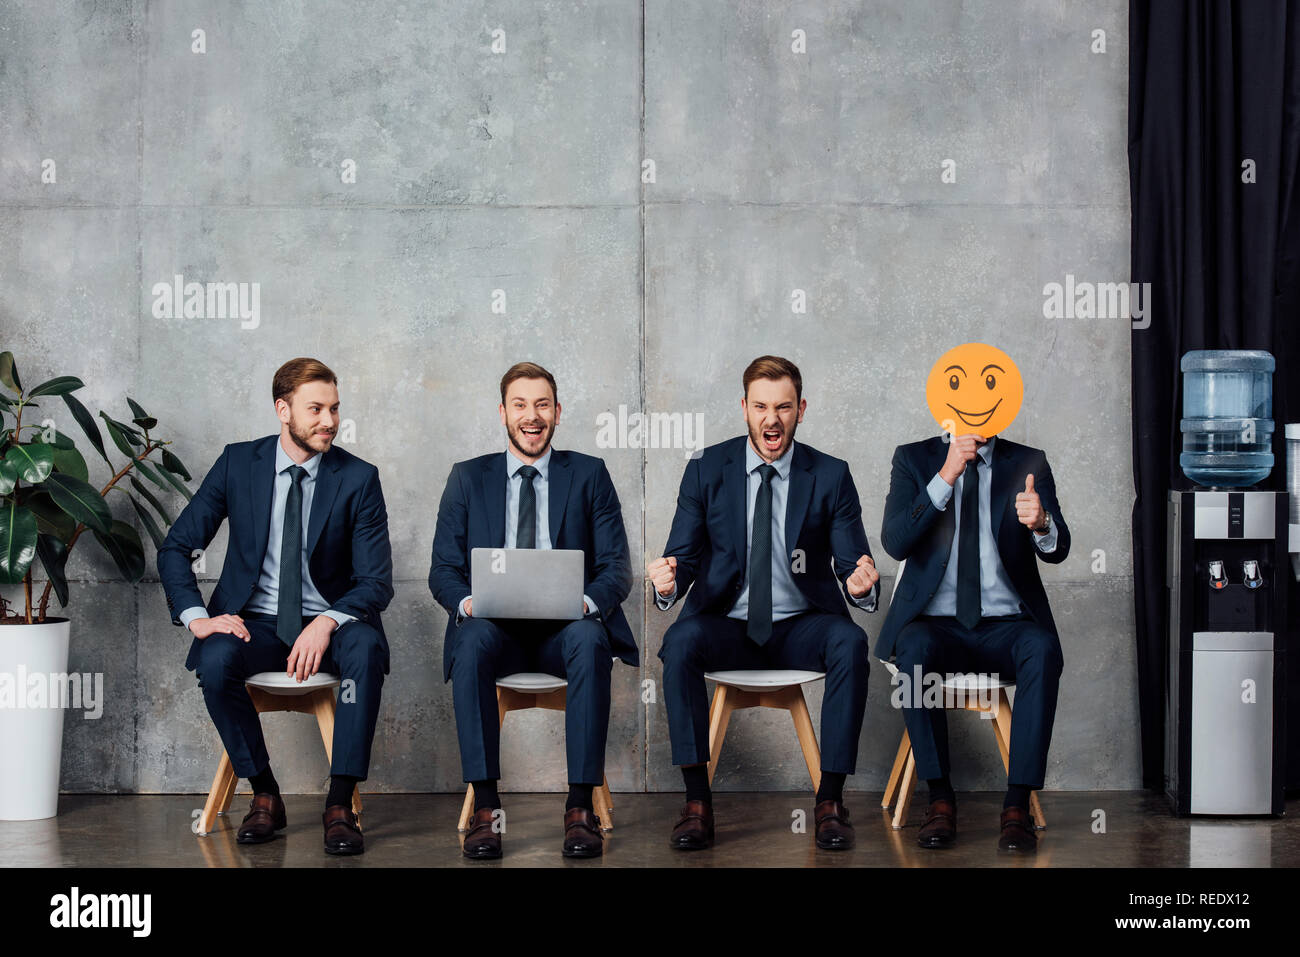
{"points": [[1017, 831], [940, 826], [582, 836], [694, 832], [265, 816], [342, 835], [482, 842], [834, 832]]}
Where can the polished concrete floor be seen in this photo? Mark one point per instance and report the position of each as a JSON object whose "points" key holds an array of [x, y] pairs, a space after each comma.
{"points": [[1085, 829]]}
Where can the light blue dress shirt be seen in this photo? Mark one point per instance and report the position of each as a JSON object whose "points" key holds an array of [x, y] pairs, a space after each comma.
{"points": [[266, 592], [541, 489], [997, 595], [787, 599]]}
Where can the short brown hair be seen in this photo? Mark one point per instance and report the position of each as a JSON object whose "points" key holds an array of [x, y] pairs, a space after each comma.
{"points": [[527, 370], [774, 367], [295, 372]]}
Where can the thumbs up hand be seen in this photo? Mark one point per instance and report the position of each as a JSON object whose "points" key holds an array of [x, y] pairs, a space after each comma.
{"points": [[1029, 509]]}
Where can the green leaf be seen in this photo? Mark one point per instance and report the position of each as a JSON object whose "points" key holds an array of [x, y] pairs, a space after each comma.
{"points": [[149, 497], [8, 477], [172, 464], [123, 545], [139, 416], [148, 470], [9, 372], [118, 436], [177, 484], [126, 429], [149, 524], [17, 541], [80, 501], [70, 462], [33, 462], [59, 385], [87, 423], [50, 519], [54, 556]]}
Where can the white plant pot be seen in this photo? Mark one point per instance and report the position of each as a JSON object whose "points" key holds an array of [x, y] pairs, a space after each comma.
{"points": [[31, 738]]}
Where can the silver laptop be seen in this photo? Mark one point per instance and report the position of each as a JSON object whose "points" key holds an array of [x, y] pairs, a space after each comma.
{"points": [[544, 583]]}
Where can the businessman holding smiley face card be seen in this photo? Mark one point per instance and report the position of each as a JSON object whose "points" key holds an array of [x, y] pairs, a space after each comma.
{"points": [[973, 513]]}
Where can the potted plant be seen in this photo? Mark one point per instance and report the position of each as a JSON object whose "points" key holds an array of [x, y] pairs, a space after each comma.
{"points": [[48, 503]]}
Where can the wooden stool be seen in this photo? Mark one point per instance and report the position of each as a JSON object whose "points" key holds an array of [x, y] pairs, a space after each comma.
{"points": [[277, 691], [531, 689], [764, 688], [966, 693]]}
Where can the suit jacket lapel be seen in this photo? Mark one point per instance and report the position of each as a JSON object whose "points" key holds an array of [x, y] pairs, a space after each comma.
{"points": [[261, 478], [327, 486], [493, 482], [558, 478], [735, 494], [800, 494], [1004, 464]]}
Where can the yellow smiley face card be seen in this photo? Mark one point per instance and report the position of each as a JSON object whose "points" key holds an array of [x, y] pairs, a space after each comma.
{"points": [[974, 388]]}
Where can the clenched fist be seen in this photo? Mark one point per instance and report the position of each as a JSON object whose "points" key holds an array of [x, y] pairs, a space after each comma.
{"points": [[864, 577], [962, 450], [663, 573], [1029, 509]]}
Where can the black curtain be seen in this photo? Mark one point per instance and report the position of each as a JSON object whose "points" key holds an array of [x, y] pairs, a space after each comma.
{"points": [[1212, 84]]}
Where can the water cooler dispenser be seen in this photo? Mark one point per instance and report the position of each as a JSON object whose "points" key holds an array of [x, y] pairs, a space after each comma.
{"points": [[1226, 694]]}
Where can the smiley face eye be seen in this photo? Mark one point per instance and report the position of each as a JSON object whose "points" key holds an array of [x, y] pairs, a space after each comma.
{"points": [[952, 382], [990, 381]]}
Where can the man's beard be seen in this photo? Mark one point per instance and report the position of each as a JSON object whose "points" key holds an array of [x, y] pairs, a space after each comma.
{"points": [[302, 439], [756, 439], [547, 433]]}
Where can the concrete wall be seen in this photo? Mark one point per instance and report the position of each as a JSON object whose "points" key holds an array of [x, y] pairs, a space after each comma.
{"points": [[520, 171]]}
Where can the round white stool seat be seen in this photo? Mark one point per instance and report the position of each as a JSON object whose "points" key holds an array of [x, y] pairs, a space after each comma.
{"points": [[531, 682], [763, 679], [277, 682], [966, 682]]}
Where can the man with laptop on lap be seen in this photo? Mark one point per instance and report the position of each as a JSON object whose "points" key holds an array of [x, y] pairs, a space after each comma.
{"points": [[509, 612]]}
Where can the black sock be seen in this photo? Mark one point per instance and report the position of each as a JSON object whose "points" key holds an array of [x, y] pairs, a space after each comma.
{"points": [[485, 795], [580, 796], [941, 790], [831, 788], [263, 782], [1017, 796], [697, 783], [341, 788]]}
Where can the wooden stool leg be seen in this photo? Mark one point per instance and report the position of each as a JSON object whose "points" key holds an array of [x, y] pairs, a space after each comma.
{"points": [[812, 754], [222, 784], [466, 809], [1036, 812], [604, 805], [719, 717], [229, 796], [906, 786], [896, 773]]}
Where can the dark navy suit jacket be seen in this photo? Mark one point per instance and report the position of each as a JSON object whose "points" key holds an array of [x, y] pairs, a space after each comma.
{"points": [[920, 533], [350, 559], [583, 512], [709, 537]]}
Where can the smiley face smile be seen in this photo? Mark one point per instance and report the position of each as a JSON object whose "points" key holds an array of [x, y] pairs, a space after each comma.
{"points": [[975, 418]]}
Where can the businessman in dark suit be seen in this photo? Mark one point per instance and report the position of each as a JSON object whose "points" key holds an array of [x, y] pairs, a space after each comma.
{"points": [[766, 544], [533, 496], [308, 570], [973, 519]]}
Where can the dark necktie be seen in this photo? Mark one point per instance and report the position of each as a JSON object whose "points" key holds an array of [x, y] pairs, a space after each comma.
{"points": [[526, 536], [968, 548], [759, 626], [288, 617]]}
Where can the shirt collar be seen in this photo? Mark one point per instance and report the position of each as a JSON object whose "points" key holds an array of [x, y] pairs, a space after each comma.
{"points": [[985, 451], [514, 463], [282, 461], [753, 460]]}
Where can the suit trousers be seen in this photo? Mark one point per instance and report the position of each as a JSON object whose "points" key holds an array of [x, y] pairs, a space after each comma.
{"points": [[491, 648], [809, 641], [226, 661], [1015, 648]]}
